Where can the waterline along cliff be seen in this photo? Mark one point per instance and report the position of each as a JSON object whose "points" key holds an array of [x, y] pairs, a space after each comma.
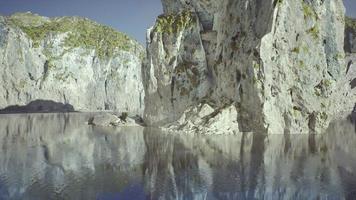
{"points": [[75, 161], [247, 66], [229, 99], [69, 60], [212, 67]]}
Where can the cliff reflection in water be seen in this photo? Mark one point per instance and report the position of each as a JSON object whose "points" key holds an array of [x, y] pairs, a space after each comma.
{"points": [[58, 156]]}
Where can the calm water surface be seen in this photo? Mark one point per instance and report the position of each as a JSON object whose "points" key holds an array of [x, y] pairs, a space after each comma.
{"points": [[58, 156]]}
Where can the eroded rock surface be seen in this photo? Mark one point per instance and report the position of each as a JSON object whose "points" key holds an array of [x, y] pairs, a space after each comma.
{"points": [[108, 119], [176, 74], [280, 63], [69, 60], [105, 119], [204, 119]]}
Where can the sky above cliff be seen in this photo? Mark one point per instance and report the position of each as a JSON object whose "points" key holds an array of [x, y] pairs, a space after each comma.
{"points": [[130, 16], [350, 6]]}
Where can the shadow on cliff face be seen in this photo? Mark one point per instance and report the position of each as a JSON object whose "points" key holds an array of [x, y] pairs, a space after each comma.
{"points": [[352, 117], [39, 106]]}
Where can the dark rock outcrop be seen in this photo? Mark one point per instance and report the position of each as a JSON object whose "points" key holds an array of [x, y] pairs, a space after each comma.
{"points": [[39, 106]]}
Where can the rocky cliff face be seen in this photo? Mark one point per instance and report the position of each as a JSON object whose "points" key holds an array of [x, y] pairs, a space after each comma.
{"points": [[70, 60], [279, 63], [176, 75]]}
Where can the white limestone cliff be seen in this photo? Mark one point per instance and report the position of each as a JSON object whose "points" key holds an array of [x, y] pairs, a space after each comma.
{"points": [[70, 60], [280, 63]]}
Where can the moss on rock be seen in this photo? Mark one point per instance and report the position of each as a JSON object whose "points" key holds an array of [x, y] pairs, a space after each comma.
{"points": [[314, 32], [173, 23], [308, 11], [81, 33]]}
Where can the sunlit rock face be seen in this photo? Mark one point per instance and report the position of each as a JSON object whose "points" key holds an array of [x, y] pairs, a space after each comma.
{"points": [[204, 119], [69, 60], [176, 73], [280, 63]]}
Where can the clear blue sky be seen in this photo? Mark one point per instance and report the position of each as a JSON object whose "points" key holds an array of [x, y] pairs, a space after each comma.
{"points": [[130, 16], [350, 6]]}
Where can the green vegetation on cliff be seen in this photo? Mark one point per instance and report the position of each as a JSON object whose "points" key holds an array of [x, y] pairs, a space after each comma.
{"points": [[81, 33], [173, 23], [308, 11]]}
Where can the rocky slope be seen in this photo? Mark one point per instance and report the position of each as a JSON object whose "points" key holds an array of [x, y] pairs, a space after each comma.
{"points": [[70, 60], [280, 63]]}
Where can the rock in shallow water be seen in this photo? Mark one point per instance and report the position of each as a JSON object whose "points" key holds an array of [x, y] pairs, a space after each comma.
{"points": [[205, 120], [107, 119], [104, 119]]}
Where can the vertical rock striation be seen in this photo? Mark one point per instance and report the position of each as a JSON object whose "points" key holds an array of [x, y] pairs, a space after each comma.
{"points": [[176, 73], [279, 63], [70, 60]]}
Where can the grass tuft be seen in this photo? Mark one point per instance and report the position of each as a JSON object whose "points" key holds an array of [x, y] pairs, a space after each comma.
{"points": [[173, 23]]}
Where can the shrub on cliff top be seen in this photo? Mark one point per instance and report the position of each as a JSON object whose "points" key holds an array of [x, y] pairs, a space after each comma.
{"points": [[81, 33]]}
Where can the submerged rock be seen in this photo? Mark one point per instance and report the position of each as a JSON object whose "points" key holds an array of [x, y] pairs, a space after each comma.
{"points": [[70, 60], [205, 120], [280, 63], [107, 119]]}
